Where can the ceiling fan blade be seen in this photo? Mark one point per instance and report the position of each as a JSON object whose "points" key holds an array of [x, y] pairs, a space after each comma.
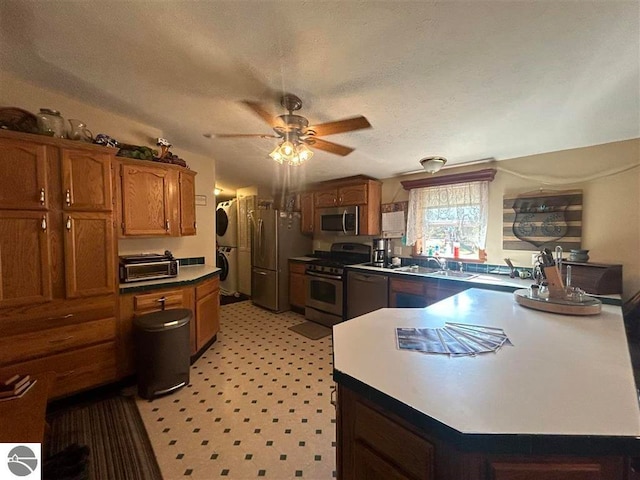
{"points": [[239, 135], [328, 146], [340, 126], [261, 112]]}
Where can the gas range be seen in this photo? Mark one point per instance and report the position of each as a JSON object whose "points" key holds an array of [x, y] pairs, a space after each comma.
{"points": [[324, 302], [340, 255]]}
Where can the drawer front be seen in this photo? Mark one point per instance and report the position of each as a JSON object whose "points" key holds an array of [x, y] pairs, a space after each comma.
{"points": [[207, 287], [153, 301], [412, 287], [393, 442], [297, 267], [74, 371], [55, 340]]}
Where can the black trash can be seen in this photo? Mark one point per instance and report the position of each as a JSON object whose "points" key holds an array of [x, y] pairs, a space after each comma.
{"points": [[162, 351]]}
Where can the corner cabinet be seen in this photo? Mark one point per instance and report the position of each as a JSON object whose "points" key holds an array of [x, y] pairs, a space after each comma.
{"points": [[57, 260], [156, 199]]}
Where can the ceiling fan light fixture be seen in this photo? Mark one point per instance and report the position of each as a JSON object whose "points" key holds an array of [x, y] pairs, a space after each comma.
{"points": [[287, 150], [277, 156], [303, 153], [432, 164]]}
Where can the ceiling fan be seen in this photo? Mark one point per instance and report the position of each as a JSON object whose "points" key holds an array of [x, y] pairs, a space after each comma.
{"points": [[296, 129]]}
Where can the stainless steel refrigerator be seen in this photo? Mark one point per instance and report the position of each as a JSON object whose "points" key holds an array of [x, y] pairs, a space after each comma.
{"points": [[276, 237]]}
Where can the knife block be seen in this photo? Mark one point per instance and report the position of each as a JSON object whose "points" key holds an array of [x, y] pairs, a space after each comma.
{"points": [[554, 282]]}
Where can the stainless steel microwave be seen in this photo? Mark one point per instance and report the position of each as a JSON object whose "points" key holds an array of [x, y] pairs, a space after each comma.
{"points": [[340, 220]]}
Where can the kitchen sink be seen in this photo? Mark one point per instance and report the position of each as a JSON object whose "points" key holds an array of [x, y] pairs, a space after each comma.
{"points": [[454, 274], [416, 269]]}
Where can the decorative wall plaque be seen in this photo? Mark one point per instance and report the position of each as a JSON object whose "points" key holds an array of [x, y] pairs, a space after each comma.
{"points": [[533, 221]]}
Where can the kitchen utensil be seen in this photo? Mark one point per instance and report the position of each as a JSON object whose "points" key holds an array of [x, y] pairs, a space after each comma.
{"points": [[79, 131]]}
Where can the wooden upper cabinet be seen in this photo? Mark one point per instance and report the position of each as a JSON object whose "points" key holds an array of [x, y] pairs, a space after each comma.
{"points": [[23, 175], [149, 204], [353, 194], [86, 180], [187, 203], [25, 267], [342, 196], [360, 191], [89, 254], [306, 212], [325, 198]]}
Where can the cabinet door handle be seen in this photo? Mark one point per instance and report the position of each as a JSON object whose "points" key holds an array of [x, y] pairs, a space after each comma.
{"points": [[340, 200], [60, 340], [43, 223], [42, 196], [166, 225], [68, 315], [67, 197], [333, 397], [68, 224]]}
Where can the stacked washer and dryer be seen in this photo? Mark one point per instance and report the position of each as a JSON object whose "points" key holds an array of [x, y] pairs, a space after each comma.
{"points": [[227, 240]]}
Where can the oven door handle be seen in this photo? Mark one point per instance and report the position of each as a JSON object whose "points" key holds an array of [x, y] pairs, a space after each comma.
{"points": [[324, 275]]}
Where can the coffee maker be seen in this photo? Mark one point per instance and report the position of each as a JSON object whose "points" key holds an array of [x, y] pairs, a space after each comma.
{"points": [[381, 256]]}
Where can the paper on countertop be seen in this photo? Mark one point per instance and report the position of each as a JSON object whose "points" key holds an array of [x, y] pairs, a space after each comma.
{"points": [[393, 222], [452, 339]]}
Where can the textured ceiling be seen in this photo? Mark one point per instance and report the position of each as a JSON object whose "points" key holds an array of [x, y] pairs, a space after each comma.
{"points": [[465, 80]]}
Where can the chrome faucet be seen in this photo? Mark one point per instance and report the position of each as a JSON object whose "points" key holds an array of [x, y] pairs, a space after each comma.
{"points": [[442, 262]]}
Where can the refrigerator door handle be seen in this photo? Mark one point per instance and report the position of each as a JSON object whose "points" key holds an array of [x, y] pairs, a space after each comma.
{"points": [[260, 235], [259, 273], [344, 221]]}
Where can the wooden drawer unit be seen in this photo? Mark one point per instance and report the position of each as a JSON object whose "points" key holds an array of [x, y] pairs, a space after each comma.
{"points": [[391, 441], [207, 287], [75, 370], [146, 302], [41, 343]]}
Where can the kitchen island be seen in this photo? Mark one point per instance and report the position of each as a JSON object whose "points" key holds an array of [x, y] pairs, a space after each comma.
{"points": [[560, 403]]}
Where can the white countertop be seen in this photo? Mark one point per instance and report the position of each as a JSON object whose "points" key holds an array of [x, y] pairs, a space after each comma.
{"points": [[565, 375], [186, 274], [303, 259]]}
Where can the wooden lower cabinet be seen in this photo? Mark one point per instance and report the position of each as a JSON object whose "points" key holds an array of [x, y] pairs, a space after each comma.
{"points": [[297, 285], [136, 304], [376, 444], [203, 299], [207, 315], [75, 339], [405, 293], [74, 370]]}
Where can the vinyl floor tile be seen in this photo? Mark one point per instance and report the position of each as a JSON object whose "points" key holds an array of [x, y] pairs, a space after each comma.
{"points": [[257, 406]]}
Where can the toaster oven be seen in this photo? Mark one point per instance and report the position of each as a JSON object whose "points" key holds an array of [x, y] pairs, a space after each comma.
{"points": [[147, 266]]}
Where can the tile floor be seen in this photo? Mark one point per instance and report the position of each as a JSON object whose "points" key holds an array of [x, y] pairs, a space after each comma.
{"points": [[258, 405]]}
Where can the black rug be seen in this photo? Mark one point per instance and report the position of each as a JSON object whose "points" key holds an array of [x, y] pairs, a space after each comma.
{"points": [[227, 299], [113, 432], [311, 330]]}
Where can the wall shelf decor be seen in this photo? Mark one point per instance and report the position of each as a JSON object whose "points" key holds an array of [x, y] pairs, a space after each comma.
{"points": [[532, 221]]}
